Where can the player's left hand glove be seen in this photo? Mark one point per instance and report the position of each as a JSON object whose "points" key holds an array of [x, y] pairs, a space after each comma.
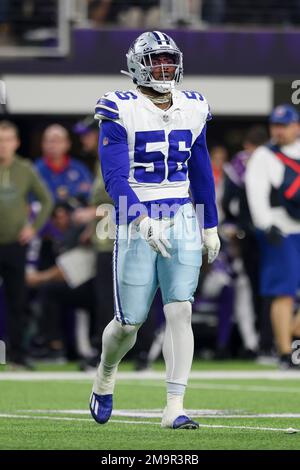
{"points": [[211, 243], [153, 231]]}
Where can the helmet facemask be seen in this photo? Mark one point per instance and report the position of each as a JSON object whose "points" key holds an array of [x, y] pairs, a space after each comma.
{"points": [[161, 75]]}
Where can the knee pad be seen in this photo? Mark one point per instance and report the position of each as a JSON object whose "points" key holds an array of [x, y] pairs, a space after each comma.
{"points": [[178, 312], [125, 330]]}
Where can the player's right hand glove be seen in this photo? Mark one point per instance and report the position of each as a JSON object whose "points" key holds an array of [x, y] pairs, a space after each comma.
{"points": [[211, 243], [153, 231]]}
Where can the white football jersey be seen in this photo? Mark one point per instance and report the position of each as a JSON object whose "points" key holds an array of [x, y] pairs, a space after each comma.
{"points": [[264, 171], [159, 142]]}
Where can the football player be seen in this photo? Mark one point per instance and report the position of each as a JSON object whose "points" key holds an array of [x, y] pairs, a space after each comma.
{"points": [[153, 153]]}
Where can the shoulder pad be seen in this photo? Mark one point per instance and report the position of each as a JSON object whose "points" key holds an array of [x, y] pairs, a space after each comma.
{"points": [[193, 95], [112, 105], [107, 108], [199, 100]]}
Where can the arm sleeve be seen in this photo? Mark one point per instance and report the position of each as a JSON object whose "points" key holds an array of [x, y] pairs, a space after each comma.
{"points": [[40, 191], [114, 159], [202, 181], [258, 188]]}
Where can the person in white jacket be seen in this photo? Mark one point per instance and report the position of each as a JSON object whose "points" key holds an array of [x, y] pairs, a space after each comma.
{"points": [[273, 192]]}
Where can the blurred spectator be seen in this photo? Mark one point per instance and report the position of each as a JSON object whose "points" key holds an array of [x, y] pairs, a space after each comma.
{"points": [[18, 180], [58, 297], [262, 12], [104, 247], [4, 12], [5, 24], [99, 212], [21, 19], [88, 132], [146, 13], [214, 11], [226, 286], [238, 218], [219, 156], [128, 13], [273, 190], [67, 178], [236, 291], [235, 205], [217, 289], [99, 12]]}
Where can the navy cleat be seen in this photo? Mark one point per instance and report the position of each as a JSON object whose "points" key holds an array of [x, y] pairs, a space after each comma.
{"points": [[176, 419], [101, 407], [184, 422]]}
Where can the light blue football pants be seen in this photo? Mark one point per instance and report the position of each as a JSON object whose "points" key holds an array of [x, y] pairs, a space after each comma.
{"points": [[138, 270]]}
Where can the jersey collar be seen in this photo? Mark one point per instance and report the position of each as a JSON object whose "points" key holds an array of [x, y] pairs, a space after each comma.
{"points": [[155, 109]]}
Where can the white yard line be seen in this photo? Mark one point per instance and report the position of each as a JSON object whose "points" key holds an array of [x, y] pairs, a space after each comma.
{"points": [[54, 418], [245, 388], [157, 413], [252, 428], [151, 375], [60, 418], [225, 387], [212, 426]]}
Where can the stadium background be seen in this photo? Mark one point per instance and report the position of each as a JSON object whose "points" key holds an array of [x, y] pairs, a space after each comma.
{"points": [[58, 57]]}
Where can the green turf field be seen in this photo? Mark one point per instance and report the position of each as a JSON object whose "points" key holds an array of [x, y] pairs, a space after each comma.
{"points": [[252, 411]]}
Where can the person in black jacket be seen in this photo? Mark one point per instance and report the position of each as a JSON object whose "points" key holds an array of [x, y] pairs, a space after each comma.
{"points": [[236, 211]]}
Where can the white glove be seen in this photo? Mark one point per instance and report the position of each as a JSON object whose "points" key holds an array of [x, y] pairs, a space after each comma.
{"points": [[211, 243], [153, 231]]}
